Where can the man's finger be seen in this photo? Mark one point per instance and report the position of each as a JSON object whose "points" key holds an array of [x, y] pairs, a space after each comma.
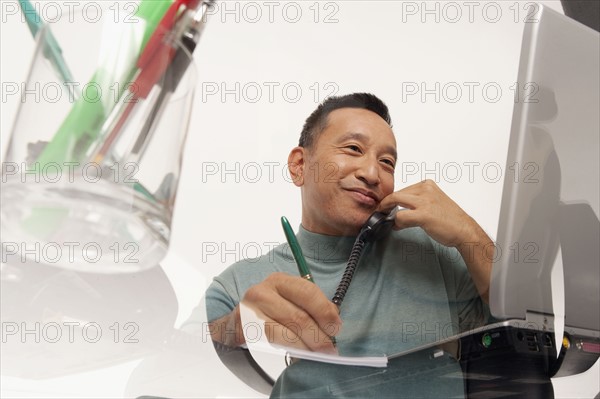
{"points": [[294, 302], [407, 218], [309, 297], [405, 200], [293, 335]]}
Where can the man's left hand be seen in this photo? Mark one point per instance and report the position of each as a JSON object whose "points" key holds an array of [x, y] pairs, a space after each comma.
{"points": [[428, 207]]}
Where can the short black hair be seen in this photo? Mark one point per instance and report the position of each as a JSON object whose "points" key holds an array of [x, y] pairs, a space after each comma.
{"points": [[317, 121]]}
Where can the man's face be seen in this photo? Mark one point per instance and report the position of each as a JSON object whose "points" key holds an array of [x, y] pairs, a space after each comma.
{"points": [[347, 172]]}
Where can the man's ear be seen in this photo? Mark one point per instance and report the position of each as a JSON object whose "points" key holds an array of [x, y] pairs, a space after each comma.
{"points": [[296, 164]]}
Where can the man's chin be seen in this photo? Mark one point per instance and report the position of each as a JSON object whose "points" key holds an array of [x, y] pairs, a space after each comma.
{"points": [[357, 222]]}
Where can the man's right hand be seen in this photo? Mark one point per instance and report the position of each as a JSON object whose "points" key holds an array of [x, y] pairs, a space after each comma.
{"points": [[296, 314]]}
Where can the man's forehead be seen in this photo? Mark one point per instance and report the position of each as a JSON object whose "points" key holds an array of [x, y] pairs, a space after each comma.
{"points": [[358, 123]]}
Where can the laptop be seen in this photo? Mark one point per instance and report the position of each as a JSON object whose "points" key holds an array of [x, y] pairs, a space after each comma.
{"points": [[549, 224]]}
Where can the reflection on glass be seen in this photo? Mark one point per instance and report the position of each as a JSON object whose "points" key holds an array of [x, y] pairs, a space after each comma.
{"points": [[57, 322]]}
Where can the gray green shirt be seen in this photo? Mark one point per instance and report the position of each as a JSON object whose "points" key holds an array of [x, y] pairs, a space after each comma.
{"points": [[407, 290]]}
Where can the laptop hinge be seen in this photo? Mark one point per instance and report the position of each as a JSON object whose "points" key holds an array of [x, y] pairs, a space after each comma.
{"points": [[540, 321]]}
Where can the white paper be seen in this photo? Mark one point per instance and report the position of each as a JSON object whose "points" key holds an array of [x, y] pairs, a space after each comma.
{"points": [[257, 342]]}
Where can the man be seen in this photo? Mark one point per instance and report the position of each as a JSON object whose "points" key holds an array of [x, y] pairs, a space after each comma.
{"points": [[409, 289]]}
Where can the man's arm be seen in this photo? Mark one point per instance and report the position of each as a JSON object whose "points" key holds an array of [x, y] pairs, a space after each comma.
{"points": [[428, 207], [477, 250], [295, 311], [227, 330]]}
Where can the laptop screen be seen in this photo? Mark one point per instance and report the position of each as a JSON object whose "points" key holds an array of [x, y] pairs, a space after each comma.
{"points": [[548, 223]]}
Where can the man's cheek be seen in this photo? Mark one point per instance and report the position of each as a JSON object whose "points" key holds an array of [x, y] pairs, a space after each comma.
{"points": [[329, 172], [388, 185]]}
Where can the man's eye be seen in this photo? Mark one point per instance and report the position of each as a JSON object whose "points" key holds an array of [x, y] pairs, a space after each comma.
{"points": [[389, 162], [354, 148]]}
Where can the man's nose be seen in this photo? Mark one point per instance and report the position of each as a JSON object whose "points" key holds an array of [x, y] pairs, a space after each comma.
{"points": [[368, 171]]}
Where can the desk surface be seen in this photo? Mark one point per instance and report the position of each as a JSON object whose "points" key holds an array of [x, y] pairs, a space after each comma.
{"points": [[68, 334]]}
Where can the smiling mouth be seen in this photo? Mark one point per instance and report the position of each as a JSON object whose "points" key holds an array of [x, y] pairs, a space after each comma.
{"points": [[364, 198]]}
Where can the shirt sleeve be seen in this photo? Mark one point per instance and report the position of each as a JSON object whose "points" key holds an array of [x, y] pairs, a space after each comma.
{"points": [[218, 301], [215, 304], [228, 288], [468, 310]]}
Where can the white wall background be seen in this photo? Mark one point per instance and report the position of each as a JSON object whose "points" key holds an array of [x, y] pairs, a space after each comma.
{"points": [[384, 47]]}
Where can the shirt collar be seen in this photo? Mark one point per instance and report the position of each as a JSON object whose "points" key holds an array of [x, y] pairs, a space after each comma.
{"points": [[324, 248]]}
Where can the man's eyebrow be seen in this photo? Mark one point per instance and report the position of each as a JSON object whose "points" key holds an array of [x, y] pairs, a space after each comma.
{"points": [[364, 138], [354, 136]]}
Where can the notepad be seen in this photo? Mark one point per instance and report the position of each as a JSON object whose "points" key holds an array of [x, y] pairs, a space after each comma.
{"points": [[258, 342], [366, 361]]}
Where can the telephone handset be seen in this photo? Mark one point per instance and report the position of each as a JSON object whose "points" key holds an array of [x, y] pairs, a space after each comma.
{"points": [[377, 226]]}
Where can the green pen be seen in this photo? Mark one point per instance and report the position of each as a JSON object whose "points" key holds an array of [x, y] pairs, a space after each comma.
{"points": [[296, 250], [82, 126], [51, 49]]}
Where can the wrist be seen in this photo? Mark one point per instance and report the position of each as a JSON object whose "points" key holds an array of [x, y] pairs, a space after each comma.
{"points": [[228, 329], [470, 238], [477, 250]]}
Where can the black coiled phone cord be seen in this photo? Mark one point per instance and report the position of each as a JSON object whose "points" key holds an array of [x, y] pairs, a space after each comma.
{"points": [[357, 249], [378, 225]]}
